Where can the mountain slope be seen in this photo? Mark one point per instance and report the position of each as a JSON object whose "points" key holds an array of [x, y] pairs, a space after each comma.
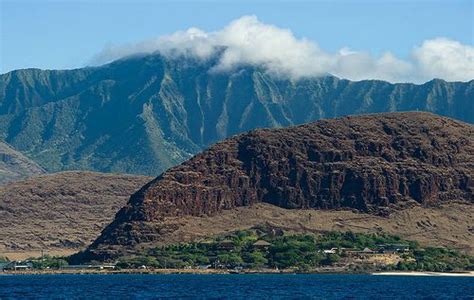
{"points": [[60, 212], [375, 164], [146, 114], [15, 166]]}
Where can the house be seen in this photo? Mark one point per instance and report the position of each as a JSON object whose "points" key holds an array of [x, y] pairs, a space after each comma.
{"points": [[83, 267], [226, 245], [261, 244], [204, 267], [361, 253], [205, 243], [18, 265], [393, 248], [348, 250], [78, 267], [107, 267], [330, 251], [367, 251]]}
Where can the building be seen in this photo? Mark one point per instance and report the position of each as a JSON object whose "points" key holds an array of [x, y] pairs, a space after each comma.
{"points": [[204, 267], [205, 243], [18, 265], [261, 245], [330, 251], [361, 253], [226, 245], [393, 248], [367, 251], [84, 267]]}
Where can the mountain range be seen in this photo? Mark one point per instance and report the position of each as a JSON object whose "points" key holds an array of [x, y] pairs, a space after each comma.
{"points": [[144, 114]]}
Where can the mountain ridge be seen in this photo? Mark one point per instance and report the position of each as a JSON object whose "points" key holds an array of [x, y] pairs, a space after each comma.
{"points": [[108, 118]]}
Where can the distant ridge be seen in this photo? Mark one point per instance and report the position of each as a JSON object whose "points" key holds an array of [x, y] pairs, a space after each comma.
{"points": [[144, 114], [15, 166]]}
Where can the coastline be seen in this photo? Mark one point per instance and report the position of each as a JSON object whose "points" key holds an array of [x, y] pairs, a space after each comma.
{"points": [[222, 272], [106, 272], [144, 271]]}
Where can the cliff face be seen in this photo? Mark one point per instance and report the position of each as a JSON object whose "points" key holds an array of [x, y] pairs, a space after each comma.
{"points": [[143, 115], [372, 163]]}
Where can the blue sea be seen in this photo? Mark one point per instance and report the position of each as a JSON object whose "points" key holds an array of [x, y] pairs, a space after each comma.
{"points": [[234, 287]]}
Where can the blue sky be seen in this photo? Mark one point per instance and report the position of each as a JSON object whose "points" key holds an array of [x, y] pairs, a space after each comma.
{"points": [[67, 34]]}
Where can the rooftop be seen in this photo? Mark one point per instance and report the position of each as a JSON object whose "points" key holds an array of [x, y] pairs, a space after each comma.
{"points": [[261, 243]]}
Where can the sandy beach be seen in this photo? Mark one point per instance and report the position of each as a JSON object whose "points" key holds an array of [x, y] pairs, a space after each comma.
{"points": [[465, 274]]}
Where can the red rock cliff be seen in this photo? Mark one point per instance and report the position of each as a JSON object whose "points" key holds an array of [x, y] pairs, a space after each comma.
{"points": [[372, 163]]}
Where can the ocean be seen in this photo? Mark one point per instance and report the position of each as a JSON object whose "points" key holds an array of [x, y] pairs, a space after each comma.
{"points": [[260, 286]]}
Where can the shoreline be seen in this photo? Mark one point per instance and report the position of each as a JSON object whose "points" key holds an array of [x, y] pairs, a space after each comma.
{"points": [[419, 273], [224, 272]]}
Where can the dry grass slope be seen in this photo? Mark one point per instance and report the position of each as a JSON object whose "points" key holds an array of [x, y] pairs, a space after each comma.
{"points": [[60, 213], [449, 225]]}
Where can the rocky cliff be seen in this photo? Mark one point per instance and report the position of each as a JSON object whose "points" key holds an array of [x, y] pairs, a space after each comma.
{"points": [[145, 114], [373, 163]]}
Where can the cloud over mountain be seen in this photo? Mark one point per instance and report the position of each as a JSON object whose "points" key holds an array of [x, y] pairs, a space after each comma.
{"points": [[248, 41], [445, 58]]}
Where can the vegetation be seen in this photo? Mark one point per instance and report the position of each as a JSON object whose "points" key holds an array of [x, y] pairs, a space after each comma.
{"points": [[48, 262], [299, 251], [436, 260], [259, 248], [350, 239]]}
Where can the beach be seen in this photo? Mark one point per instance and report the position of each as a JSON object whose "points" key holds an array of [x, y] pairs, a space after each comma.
{"points": [[464, 274]]}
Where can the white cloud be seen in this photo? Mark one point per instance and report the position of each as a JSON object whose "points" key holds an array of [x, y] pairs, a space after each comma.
{"points": [[247, 41], [359, 66], [444, 58]]}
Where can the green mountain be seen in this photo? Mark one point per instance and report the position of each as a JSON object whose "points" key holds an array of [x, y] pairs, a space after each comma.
{"points": [[144, 114]]}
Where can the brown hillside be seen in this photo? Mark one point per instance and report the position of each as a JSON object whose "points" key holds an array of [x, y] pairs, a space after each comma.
{"points": [[60, 213], [449, 225], [375, 164]]}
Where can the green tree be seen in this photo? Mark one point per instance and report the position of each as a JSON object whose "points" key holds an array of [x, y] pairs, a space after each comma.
{"points": [[256, 259], [230, 259], [49, 262], [330, 259]]}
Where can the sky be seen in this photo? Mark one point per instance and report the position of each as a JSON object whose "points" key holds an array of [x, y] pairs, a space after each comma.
{"points": [[416, 40]]}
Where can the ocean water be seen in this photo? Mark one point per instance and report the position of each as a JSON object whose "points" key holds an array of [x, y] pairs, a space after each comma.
{"points": [[234, 287]]}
